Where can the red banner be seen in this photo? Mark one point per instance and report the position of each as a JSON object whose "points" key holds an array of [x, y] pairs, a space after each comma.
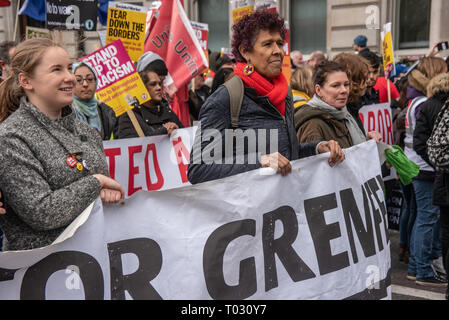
{"points": [[202, 34], [173, 38]]}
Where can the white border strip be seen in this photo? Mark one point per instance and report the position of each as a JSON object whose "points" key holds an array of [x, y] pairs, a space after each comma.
{"points": [[406, 291]]}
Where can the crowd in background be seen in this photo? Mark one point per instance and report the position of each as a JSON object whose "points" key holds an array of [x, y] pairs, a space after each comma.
{"points": [[319, 115]]}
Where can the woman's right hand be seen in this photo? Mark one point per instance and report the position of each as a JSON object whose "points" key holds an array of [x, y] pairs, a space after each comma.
{"points": [[278, 162], [374, 135], [171, 127], [111, 190]]}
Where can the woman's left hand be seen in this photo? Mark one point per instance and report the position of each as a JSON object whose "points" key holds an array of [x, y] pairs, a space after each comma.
{"points": [[110, 195], [374, 135], [337, 154]]}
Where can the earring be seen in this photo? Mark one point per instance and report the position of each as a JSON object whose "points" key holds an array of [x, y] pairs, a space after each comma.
{"points": [[248, 69]]}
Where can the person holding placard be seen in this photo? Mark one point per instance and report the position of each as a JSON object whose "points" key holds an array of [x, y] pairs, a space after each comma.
{"points": [[154, 117], [52, 166]]}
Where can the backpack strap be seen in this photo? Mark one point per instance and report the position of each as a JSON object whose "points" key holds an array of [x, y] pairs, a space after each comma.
{"points": [[290, 92], [410, 116], [236, 91]]}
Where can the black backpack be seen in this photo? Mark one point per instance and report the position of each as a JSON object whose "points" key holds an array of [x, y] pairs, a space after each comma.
{"points": [[438, 143]]}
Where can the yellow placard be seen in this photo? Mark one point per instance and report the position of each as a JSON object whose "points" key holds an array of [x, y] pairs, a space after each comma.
{"points": [[387, 46], [115, 97], [387, 50], [129, 26], [239, 13]]}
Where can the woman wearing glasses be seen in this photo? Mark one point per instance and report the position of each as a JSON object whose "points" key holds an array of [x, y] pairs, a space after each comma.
{"points": [[98, 115]]}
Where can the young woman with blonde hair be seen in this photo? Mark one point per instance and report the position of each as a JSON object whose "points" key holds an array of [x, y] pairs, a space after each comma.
{"points": [[52, 165]]}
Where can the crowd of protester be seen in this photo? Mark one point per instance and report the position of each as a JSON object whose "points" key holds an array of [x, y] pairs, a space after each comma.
{"points": [[51, 123]]}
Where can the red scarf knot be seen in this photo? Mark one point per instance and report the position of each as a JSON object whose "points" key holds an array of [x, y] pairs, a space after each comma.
{"points": [[276, 91]]}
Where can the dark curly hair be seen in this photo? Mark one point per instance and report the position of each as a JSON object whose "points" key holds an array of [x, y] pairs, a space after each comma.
{"points": [[246, 30]]}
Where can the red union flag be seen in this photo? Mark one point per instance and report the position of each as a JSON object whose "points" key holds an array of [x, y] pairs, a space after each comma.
{"points": [[173, 38]]}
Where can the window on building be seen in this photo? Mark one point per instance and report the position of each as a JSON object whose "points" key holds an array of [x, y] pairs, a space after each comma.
{"points": [[414, 23], [215, 13], [308, 25]]}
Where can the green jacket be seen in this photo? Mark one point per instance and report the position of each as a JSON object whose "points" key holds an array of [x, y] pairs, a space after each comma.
{"points": [[315, 125]]}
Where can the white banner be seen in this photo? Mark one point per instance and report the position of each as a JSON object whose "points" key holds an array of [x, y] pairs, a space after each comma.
{"points": [[378, 117], [319, 233], [150, 163]]}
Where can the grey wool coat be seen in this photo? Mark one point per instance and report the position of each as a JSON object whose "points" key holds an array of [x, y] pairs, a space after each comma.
{"points": [[43, 194]]}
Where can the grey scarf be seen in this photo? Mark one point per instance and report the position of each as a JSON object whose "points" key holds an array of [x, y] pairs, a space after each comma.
{"points": [[357, 135]]}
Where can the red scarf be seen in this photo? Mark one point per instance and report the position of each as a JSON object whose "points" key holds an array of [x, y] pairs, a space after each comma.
{"points": [[276, 91]]}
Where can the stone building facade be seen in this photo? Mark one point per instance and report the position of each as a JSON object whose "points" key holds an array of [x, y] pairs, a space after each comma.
{"points": [[327, 25]]}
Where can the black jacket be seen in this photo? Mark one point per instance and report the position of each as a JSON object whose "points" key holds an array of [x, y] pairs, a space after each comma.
{"points": [[151, 120], [257, 117], [196, 100], [424, 125], [108, 121], [370, 97]]}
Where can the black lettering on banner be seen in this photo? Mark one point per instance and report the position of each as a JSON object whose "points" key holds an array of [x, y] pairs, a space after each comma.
{"points": [[376, 213], [137, 284], [7, 274], [213, 255], [353, 218], [323, 233], [295, 266], [36, 277], [382, 204]]}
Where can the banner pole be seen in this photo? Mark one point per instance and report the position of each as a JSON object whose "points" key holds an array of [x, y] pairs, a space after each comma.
{"points": [[16, 22], [389, 90]]}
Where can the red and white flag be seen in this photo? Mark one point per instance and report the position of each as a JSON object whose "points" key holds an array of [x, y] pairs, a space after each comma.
{"points": [[172, 37]]}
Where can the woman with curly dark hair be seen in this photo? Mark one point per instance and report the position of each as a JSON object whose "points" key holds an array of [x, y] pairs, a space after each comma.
{"points": [[257, 45]]}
